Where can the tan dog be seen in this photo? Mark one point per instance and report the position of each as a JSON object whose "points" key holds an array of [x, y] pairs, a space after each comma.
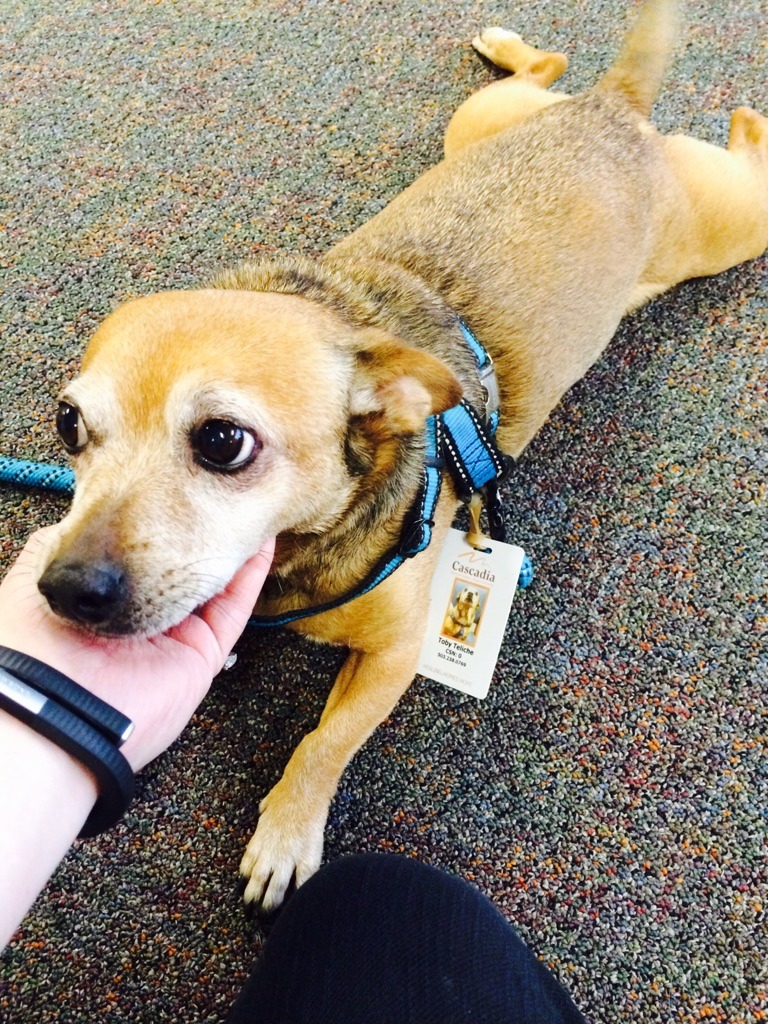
{"points": [[290, 398], [462, 615]]}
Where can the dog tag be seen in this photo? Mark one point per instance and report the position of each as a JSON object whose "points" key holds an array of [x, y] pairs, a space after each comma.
{"points": [[469, 605]]}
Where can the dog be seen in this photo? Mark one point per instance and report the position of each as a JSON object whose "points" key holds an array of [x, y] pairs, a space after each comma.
{"points": [[289, 398], [461, 619]]}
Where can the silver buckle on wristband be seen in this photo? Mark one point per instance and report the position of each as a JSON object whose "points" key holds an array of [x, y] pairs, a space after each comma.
{"points": [[92, 739], [51, 683]]}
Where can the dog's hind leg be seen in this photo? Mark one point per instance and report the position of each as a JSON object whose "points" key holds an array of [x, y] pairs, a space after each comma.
{"points": [[506, 103], [714, 213]]}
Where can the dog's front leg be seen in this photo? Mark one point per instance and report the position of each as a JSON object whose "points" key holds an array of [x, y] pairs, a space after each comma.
{"points": [[288, 842]]}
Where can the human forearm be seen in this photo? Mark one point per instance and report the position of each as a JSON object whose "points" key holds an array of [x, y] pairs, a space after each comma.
{"points": [[45, 797], [45, 794]]}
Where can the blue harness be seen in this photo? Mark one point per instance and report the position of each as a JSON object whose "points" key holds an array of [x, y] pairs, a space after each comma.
{"points": [[456, 440]]}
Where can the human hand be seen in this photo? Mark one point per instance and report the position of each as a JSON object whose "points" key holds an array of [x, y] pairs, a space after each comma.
{"points": [[159, 681]]}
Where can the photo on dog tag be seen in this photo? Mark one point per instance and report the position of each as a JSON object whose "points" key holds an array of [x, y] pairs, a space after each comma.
{"points": [[470, 601]]}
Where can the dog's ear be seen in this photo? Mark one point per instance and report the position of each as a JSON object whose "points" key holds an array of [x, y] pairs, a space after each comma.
{"points": [[401, 383]]}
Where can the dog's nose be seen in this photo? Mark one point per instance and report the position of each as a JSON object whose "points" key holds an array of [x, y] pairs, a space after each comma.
{"points": [[87, 592]]}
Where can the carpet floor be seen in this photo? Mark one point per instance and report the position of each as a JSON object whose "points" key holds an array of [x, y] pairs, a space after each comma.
{"points": [[610, 794]]}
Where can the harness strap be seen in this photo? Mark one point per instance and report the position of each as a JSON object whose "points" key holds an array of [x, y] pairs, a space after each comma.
{"points": [[487, 375], [471, 453]]}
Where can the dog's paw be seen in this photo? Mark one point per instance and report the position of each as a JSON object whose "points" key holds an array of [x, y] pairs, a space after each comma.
{"points": [[284, 851], [492, 41]]}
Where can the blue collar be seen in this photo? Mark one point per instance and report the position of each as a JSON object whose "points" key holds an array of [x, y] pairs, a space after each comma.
{"points": [[457, 440]]}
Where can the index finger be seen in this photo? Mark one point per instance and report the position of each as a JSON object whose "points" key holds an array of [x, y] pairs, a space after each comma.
{"points": [[227, 614]]}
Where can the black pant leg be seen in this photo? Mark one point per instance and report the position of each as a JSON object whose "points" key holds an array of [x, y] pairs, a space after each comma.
{"points": [[380, 939]]}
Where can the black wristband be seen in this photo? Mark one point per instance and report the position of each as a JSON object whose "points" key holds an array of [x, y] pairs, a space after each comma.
{"points": [[79, 739], [46, 680]]}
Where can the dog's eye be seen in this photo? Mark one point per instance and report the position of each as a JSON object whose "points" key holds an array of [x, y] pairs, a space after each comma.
{"points": [[71, 428], [224, 445]]}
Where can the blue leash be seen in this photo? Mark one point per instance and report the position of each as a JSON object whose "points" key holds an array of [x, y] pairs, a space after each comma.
{"points": [[37, 474]]}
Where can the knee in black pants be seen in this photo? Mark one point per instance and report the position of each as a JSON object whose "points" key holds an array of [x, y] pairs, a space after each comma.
{"points": [[379, 938]]}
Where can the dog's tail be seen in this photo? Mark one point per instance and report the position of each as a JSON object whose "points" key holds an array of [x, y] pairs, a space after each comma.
{"points": [[644, 57]]}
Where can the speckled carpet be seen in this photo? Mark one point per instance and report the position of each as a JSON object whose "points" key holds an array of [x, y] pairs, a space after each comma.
{"points": [[610, 794]]}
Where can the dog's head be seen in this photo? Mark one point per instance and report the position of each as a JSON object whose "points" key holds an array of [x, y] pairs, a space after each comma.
{"points": [[468, 602], [204, 423]]}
